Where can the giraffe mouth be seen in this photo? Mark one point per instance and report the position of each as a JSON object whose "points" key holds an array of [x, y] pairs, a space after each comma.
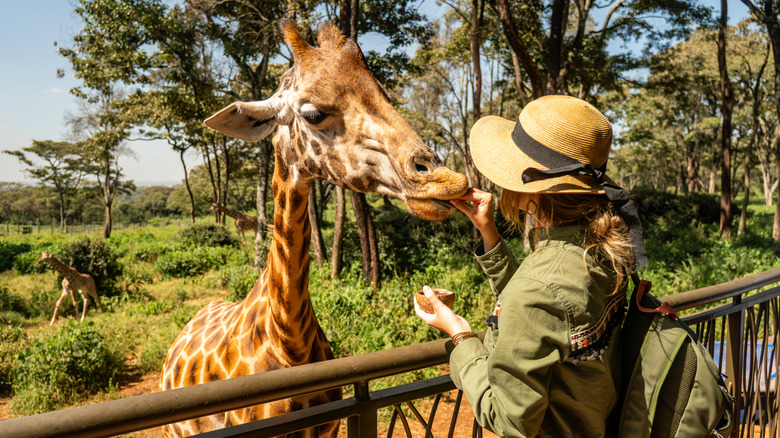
{"points": [[430, 208]]}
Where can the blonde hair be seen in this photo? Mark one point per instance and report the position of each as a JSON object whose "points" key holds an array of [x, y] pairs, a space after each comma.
{"points": [[606, 234]]}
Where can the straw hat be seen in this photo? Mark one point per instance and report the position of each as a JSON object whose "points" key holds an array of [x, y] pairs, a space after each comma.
{"points": [[563, 124]]}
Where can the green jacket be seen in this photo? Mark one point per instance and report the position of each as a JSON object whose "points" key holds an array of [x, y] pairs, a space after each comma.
{"points": [[528, 378]]}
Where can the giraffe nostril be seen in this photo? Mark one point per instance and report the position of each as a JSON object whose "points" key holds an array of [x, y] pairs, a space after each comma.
{"points": [[422, 170]]}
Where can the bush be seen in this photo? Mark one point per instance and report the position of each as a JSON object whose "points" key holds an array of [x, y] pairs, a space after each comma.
{"points": [[96, 258], [240, 282], [10, 301], [62, 367], [12, 340], [180, 264], [671, 211], [408, 244], [9, 252], [207, 235], [24, 263]]}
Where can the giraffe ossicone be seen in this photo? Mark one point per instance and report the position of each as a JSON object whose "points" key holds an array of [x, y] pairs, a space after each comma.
{"points": [[335, 122]]}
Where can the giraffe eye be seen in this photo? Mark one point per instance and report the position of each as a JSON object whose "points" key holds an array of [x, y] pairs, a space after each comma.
{"points": [[313, 116]]}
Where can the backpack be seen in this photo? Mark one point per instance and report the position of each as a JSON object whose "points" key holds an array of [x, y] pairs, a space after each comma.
{"points": [[670, 385]]}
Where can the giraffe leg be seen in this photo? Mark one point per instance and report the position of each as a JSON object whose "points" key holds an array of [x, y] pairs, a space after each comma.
{"points": [[84, 297], [97, 299], [57, 306]]}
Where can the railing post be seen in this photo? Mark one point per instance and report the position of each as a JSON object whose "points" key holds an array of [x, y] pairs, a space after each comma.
{"points": [[734, 361], [364, 424]]}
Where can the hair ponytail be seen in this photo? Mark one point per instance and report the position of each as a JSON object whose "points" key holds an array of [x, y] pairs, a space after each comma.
{"points": [[606, 234]]}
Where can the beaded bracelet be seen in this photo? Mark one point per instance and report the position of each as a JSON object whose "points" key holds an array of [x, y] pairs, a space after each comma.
{"points": [[457, 338]]}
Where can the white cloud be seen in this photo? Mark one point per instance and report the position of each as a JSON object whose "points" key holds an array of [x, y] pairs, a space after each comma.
{"points": [[53, 90]]}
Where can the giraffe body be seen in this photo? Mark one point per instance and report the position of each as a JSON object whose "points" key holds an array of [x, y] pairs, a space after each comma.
{"points": [[73, 281], [336, 123], [244, 222]]}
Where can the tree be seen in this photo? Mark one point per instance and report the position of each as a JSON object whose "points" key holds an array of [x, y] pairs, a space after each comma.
{"points": [[569, 56], [106, 55], [61, 170], [767, 14], [727, 108]]}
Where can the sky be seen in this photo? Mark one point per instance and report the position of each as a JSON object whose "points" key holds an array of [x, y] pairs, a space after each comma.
{"points": [[34, 103]]}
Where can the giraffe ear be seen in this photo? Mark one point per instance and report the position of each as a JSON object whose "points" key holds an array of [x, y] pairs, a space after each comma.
{"points": [[249, 121]]}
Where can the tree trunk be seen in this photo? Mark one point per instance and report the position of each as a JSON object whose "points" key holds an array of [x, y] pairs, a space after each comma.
{"points": [[107, 225], [316, 234], [475, 61], [727, 94], [367, 235], [187, 185], [261, 244], [517, 46], [338, 231], [107, 198], [558, 20], [62, 210]]}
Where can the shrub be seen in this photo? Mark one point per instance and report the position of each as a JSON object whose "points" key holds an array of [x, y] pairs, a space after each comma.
{"points": [[239, 282], [63, 366], [672, 211], [96, 258], [12, 340], [207, 235], [9, 252], [408, 244], [24, 263], [180, 264], [10, 301]]}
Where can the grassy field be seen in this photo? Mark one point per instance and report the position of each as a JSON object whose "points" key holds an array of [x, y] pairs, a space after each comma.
{"points": [[166, 273]]}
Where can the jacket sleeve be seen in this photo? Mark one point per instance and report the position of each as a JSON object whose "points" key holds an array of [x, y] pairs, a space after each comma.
{"points": [[508, 388], [499, 264]]}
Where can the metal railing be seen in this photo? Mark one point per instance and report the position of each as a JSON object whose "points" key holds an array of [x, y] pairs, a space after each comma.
{"points": [[741, 334]]}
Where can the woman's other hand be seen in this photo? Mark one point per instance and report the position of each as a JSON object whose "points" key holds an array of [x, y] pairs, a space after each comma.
{"points": [[442, 318], [481, 213]]}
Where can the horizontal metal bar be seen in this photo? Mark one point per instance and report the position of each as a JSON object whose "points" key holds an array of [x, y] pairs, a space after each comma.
{"points": [[723, 291], [316, 415], [725, 309], [145, 411]]}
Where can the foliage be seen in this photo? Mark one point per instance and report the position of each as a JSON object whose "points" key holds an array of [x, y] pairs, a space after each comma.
{"points": [[96, 258], [207, 235], [671, 212], [11, 302], [13, 340], [8, 253], [63, 366], [191, 262], [408, 244]]}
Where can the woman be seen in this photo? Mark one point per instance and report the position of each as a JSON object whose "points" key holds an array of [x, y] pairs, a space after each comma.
{"points": [[545, 367]]}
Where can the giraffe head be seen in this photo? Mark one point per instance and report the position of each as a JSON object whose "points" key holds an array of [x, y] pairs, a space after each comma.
{"points": [[213, 206], [337, 123], [44, 257]]}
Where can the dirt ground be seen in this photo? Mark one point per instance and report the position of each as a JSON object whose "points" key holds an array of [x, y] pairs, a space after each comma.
{"points": [[149, 382]]}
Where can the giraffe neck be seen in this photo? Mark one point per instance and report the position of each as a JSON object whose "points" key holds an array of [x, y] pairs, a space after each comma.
{"points": [[290, 315], [59, 266], [232, 213]]}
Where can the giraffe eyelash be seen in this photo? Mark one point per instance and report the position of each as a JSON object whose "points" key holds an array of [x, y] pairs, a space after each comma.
{"points": [[313, 116]]}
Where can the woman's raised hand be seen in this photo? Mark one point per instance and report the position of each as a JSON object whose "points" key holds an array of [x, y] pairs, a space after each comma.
{"points": [[478, 207]]}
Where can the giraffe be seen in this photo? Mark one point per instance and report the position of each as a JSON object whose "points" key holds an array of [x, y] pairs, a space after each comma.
{"points": [[72, 281], [244, 222], [334, 122]]}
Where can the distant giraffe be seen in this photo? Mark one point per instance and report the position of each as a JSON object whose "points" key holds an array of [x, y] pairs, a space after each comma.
{"points": [[244, 222], [72, 281], [335, 122]]}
